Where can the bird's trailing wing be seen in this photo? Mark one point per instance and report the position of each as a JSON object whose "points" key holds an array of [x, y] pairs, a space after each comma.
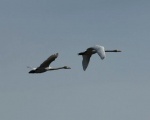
{"points": [[47, 62]]}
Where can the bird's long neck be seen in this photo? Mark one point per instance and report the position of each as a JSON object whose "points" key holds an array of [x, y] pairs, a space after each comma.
{"points": [[112, 51], [56, 68]]}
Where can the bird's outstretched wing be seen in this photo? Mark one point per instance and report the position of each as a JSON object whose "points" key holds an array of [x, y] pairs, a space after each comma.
{"points": [[85, 61], [47, 62], [100, 51]]}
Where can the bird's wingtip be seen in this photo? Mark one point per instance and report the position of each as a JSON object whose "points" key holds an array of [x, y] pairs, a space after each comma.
{"points": [[84, 69], [56, 54]]}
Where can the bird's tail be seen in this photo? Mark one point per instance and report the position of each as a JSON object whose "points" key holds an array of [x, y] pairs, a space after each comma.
{"points": [[81, 53], [30, 67]]}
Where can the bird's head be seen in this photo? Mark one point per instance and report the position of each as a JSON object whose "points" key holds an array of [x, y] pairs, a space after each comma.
{"points": [[66, 67], [117, 51]]}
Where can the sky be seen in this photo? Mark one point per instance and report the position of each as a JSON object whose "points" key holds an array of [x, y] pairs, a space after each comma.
{"points": [[116, 88]]}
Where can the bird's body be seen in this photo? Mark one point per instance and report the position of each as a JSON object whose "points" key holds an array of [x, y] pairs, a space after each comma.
{"points": [[45, 65], [100, 50]]}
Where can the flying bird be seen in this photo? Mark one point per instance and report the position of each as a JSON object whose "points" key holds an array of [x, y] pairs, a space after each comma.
{"points": [[45, 65], [100, 50]]}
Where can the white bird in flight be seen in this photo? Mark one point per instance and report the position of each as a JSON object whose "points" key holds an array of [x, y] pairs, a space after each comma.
{"points": [[100, 50], [45, 65]]}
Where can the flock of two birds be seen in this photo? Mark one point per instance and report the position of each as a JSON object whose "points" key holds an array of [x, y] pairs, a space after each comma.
{"points": [[100, 50]]}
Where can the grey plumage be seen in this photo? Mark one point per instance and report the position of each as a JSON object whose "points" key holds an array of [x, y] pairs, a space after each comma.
{"points": [[45, 65]]}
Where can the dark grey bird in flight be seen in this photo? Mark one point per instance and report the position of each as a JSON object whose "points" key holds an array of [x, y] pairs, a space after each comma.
{"points": [[45, 65]]}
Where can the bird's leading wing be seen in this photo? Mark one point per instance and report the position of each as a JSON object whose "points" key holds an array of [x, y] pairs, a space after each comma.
{"points": [[100, 51], [85, 61], [47, 62]]}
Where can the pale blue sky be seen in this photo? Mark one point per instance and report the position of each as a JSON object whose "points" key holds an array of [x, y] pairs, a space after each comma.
{"points": [[116, 88]]}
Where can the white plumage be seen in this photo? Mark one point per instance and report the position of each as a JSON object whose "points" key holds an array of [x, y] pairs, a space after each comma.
{"points": [[100, 50]]}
